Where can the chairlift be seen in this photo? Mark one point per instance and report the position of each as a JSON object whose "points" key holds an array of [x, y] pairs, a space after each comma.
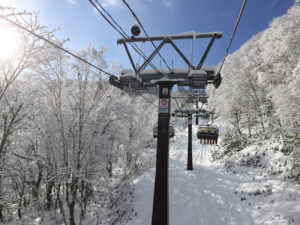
{"points": [[208, 134], [203, 115], [171, 131], [203, 100], [190, 100], [181, 115]]}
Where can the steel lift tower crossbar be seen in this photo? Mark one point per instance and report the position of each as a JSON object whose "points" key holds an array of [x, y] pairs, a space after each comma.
{"points": [[169, 39]]}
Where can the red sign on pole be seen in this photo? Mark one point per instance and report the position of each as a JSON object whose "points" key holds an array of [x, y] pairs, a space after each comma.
{"points": [[164, 105], [163, 101]]}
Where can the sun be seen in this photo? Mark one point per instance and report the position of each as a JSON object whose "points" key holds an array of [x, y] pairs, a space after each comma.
{"points": [[6, 2], [9, 42]]}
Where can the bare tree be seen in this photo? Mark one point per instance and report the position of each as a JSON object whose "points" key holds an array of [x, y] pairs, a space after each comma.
{"points": [[14, 110]]}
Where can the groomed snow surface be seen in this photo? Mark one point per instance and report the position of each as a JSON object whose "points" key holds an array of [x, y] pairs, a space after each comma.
{"points": [[212, 195]]}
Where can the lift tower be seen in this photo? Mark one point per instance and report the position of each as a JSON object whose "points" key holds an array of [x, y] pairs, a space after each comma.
{"points": [[188, 113], [194, 98], [194, 76]]}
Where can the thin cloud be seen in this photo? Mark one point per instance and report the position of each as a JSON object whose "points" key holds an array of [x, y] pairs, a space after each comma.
{"points": [[73, 2], [111, 3], [119, 3], [168, 3]]}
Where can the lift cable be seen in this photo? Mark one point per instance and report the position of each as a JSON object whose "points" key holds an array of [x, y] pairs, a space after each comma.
{"points": [[55, 45], [63, 49], [149, 101], [228, 47], [139, 22], [114, 21], [233, 33], [121, 31]]}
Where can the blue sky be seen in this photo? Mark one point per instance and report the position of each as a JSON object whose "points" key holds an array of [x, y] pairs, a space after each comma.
{"points": [[83, 25]]}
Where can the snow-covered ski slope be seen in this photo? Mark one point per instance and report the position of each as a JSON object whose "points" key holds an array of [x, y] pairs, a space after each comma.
{"points": [[209, 195]]}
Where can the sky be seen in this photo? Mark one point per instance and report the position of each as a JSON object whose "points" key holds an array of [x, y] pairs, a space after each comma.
{"points": [[80, 22]]}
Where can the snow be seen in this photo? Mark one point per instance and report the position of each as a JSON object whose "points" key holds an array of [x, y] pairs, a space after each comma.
{"points": [[212, 194], [165, 79], [194, 35], [189, 33]]}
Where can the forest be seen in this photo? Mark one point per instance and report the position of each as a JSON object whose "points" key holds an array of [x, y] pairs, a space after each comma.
{"points": [[62, 146], [259, 95], [71, 144]]}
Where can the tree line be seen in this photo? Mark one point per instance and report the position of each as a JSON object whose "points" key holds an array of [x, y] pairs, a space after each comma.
{"points": [[69, 142], [259, 95]]}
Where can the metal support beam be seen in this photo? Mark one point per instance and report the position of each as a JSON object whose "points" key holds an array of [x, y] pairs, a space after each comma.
{"points": [[190, 150], [197, 107], [130, 57], [160, 213], [189, 111], [177, 104], [181, 54], [131, 60], [188, 35], [170, 39], [148, 60], [206, 52]]}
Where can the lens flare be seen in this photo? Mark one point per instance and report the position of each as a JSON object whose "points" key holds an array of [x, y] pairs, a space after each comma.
{"points": [[9, 42], [6, 2]]}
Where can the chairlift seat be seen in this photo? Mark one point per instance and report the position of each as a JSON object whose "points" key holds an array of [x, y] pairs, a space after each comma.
{"points": [[208, 133]]}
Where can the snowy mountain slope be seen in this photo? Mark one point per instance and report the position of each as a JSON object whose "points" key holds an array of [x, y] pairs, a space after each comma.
{"points": [[258, 100], [215, 195]]}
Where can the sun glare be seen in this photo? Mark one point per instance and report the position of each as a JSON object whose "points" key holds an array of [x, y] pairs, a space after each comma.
{"points": [[9, 42], [6, 2]]}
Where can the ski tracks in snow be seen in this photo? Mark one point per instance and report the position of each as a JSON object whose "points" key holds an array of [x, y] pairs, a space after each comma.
{"points": [[203, 196]]}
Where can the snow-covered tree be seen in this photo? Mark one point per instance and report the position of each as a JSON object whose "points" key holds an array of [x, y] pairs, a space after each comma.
{"points": [[260, 88]]}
